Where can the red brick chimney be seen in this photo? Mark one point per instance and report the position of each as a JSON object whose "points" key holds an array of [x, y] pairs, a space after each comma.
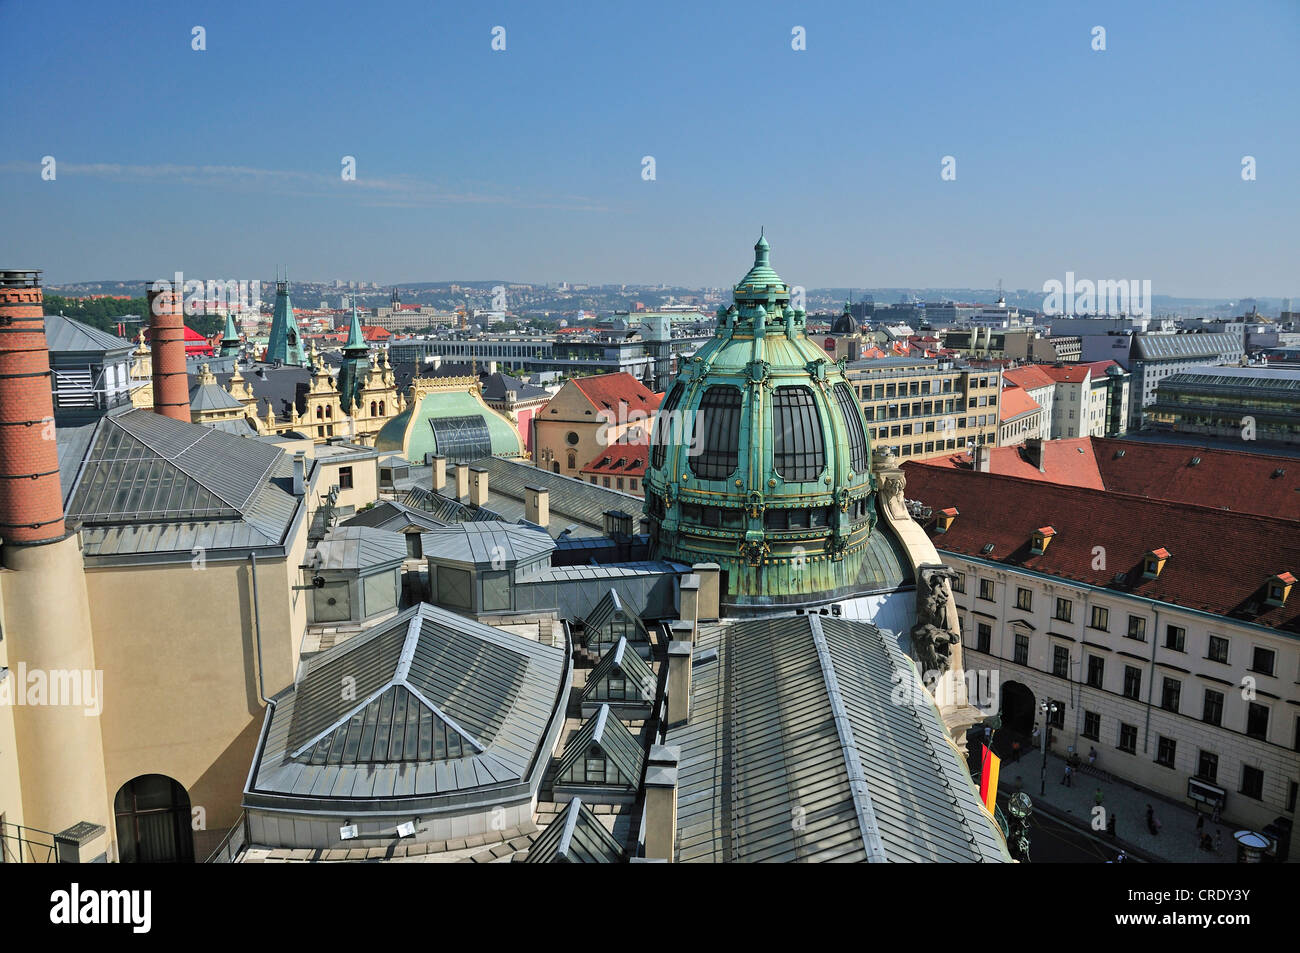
{"points": [[171, 383], [31, 497]]}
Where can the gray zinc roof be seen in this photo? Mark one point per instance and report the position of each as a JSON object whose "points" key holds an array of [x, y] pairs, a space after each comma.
{"points": [[576, 836], [573, 498], [442, 706], [66, 334], [394, 516], [359, 548], [602, 730], [796, 718], [487, 543], [607, 610], [1157, 346], [622, 662]]}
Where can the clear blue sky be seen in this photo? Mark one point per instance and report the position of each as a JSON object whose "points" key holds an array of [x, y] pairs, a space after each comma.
{"points": [[526, 164]]}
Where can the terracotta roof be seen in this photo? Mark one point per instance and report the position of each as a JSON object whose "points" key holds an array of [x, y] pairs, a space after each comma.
{"points": [[1067, 462], [606, 390], [1221, 562], [1073, 373], [607, 460], [1230, 479], [1015, 403], [1030, 377]]}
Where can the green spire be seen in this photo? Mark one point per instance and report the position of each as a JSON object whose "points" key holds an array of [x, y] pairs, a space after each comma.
{"points": [[356, 342], [754, 286]]}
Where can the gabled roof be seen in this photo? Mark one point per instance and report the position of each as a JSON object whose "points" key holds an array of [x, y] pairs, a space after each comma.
{"points": [[444, 509], [491, 694], [608, 609], [576, 836], [1221, 560], [212, 397], [394, 516], [67, 334], [1074, 373], [606, 391], [496, 385], [623, 662], [1069, 461], [615, 742], [798, 717]]}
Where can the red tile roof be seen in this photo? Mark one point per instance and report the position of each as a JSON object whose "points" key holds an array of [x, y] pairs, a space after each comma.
{"points": [[1073, 373], [633, 455], [1232, 479], [606, 390], [1030, 377], [1221, 561], [1015, 403], [1063, 463]]}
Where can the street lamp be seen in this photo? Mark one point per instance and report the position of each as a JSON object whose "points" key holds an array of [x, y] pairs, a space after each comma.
{"points": [[1048, 708]]}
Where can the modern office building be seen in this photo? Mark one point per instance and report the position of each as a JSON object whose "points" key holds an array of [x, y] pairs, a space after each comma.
{"points": [[1240, 403]]}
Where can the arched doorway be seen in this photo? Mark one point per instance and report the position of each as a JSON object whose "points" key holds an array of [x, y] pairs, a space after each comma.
{"points": [[153, 821]]}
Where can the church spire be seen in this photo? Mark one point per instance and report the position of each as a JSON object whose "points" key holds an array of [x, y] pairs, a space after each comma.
{"points": [[356, 340]]}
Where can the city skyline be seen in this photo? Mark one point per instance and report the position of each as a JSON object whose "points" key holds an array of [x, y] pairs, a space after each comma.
{"points": [[528, 162]]}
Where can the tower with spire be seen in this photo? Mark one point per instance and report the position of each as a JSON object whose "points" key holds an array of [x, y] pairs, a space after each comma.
{"points": [[355, 367], [230, 339], [285, 344]]}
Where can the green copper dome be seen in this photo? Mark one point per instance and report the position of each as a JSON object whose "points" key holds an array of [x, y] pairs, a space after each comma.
{"points": [[760, 459]]}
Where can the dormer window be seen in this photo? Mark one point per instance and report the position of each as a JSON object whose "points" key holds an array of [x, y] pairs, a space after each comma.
{"points": [[943, 519], [1279, 588], [1042, 538], [1153, 562]]}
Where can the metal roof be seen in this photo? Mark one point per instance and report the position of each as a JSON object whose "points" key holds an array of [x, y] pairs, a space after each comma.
{"points": [[496, 695], [212, 397], [394, 516], [66, 334], [797, 751], [147, 484], [490, 543], [446, 509], [574, 498], [614, 741], [359, 548], [609, 609], [1157, 346], [622, 662], [576, 836]]}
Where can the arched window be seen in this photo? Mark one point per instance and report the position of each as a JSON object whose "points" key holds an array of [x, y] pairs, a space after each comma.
{"points": [[320, 412], [853, 423], [666, 428], [329, 411], [381, 408], [573, 459], [372, 409], [717, 433], [153, 821], [798, 453]]}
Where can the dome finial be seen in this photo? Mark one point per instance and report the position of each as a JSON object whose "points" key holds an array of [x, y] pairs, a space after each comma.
{"points": [[761, 248]]}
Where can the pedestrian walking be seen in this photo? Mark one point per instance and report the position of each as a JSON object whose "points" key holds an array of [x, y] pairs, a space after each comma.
{"points": [[1069, 772], [1092, 757], [1015, 750], [1098, 797], [1153, 825], [1121, 857], [1200, 825]]}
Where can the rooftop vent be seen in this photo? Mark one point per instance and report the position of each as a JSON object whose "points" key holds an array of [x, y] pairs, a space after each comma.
{"points": [[986, 548], [1280, 471], [1118, 454], [1196, 461]]}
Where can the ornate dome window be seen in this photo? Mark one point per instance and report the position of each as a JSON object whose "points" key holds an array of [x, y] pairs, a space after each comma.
{"points": [[717, 433], [798, 453], [853, 424]]}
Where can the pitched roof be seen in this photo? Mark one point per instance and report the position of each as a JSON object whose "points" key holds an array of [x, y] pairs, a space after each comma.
{"points": [[487, 543], [623, 662], [496, 385], [1074, 373], [1220, 560], [1015, 403], [1030, 377], [605, 391], [359, 548], [479, 706], [67, 334], [1070, 462], [608, 609], [798, 717], [576, 836], [618, 459], [394, 516], [1235, 480], [613, 739]]}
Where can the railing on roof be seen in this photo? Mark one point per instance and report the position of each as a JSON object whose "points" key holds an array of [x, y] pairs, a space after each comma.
{"points": [[26, 845], [230, 845]]}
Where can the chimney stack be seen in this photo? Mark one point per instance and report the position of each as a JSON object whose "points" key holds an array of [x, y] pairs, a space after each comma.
{"points": [[689, 596], [679, 682], [299, 473], [171, 385], [439, 472], [462, 481], [1034, 451], [31, 496], [537, 505], [661, 802], [478, 486], [982, 462], [707, 605]]}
